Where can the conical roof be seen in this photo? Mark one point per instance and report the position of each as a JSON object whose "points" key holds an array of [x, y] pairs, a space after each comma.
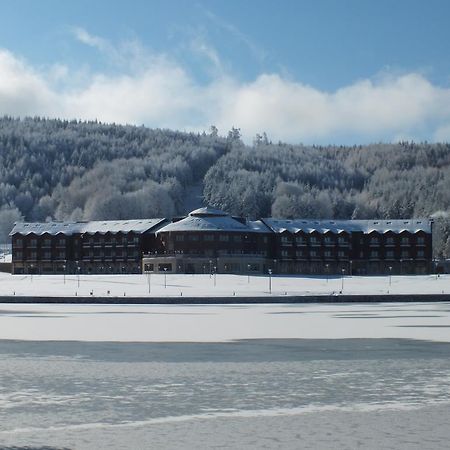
{"points": [[207, 211]]}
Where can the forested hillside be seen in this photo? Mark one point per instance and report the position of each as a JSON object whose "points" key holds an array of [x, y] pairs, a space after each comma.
{"points": [[54, 169]]}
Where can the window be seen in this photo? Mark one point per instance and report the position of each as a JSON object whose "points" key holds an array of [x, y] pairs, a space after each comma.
{"points": [[61, 242], [179, 237], [374, 254], [341, 254], [33, 255], [193, 237], [284, 253], [208, 237], [405, 254], [390, 240], [390, 254], [18, 242], [374, 241], [33, 242], [47, 255], [18, 255], [314, 240], [223, 238], [237, 238], [421, 240], [265, 239], [148, 267], [342, 240], [165, 267], [313, 253], [405, 241], [329, 240], [47, 242], [299, 253], [328, 254], [300, 240], [420, 253]]}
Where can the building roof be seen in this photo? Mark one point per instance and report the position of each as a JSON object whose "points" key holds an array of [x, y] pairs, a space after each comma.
{"points": [[348, 226], [98, 226], [206, 223], [258, 226], [207, 211], [208, 219]]}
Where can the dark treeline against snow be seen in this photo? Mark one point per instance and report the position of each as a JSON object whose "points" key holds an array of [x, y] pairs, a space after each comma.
{"points": [[70, 170]]}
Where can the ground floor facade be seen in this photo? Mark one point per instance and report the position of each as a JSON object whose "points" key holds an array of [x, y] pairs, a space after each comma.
{"points": [[243, 264]]}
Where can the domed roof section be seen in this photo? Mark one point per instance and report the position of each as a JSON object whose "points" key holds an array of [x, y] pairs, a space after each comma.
{"points": [[206, 211]]}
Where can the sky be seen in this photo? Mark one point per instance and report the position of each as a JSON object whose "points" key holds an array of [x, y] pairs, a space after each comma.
{"points": [[302, 71]]}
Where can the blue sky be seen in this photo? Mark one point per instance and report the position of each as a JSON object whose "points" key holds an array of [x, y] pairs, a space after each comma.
{"points": [[303, 71]]}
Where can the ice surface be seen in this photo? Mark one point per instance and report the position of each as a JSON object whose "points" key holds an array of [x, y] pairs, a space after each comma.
{"points": [[220, 323]]}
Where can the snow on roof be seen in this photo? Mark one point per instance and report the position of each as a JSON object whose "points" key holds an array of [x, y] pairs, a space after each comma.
{"points": [[99, 226], [206, 223], [348, 226], [207, 211], [258, 226]]}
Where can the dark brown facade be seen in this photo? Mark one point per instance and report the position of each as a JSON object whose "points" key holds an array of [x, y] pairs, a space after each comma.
{"points": [[39, 249], [356, 253], [208, 241]]}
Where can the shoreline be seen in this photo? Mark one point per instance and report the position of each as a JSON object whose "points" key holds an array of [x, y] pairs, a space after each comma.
{"points": [[232, 300]]}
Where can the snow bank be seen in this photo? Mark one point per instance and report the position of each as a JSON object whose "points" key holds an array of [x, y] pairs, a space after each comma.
{"points": [[175, 285]]}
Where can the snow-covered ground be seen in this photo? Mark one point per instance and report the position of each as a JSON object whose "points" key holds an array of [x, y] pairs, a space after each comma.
{"points": [[7, 258], [215, 323], [222, 285], [219, 323]]}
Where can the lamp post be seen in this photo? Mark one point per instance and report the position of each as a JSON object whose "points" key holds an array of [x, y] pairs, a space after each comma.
{"points": [[270, 280], [351, 268], [436, 269], [31, 272], [401, 267], [342, 279], [210, 268], [215, 271], [78, 273], [248, 273], [390, 275], [165, 277], [64, 271], [149, 282], [326, 270]]}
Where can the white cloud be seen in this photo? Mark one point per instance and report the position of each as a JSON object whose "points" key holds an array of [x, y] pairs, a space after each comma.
{"points": [[159, 92], [89, 39]]}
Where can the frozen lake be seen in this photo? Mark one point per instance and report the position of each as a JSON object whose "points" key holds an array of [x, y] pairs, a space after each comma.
{"points": [[247, 377]]}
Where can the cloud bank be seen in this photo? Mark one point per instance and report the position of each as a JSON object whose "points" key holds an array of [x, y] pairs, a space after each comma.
{"points": [[158, 91]]}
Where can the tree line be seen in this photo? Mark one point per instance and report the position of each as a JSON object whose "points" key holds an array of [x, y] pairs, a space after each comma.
{"points": [[70, 170]]}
